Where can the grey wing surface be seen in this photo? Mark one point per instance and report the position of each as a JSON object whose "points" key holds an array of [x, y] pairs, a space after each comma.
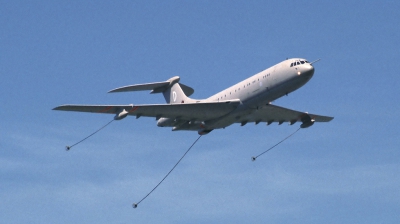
{"points": [[192, 111], [272, 113]]}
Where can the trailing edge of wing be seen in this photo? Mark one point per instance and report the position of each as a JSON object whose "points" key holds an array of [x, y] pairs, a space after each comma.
{"points": [[192, 111], [272, 113]]}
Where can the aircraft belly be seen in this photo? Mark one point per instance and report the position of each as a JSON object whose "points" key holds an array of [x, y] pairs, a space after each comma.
{"points": [[217, 123], [230, 118]]}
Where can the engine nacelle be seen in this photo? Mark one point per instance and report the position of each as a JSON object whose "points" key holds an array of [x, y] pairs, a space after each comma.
{"points": [[165, 122]]}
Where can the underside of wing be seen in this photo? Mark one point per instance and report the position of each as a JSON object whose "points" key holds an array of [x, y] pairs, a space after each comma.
{"points": [[104, 109], [192, 111], [272, 113]]}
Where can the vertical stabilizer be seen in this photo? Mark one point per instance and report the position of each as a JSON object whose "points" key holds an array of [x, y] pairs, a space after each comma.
{"points": [[174, 94]]}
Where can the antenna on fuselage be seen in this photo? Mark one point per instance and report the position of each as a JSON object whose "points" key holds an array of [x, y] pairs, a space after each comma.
{"points": [[315, 61]]}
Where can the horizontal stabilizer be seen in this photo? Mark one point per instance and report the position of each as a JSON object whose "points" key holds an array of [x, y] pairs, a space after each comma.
{"points": [[140, 87], [155, 87]]}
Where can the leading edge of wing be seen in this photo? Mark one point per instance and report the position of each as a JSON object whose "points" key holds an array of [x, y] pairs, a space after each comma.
{"points": [[189, 111]]}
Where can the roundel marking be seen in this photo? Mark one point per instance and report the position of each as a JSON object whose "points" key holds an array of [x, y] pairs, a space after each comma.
{"points": [[174, 95]]}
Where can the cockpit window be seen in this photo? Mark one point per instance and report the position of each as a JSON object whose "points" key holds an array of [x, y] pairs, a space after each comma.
{"points": [[299, 62]]}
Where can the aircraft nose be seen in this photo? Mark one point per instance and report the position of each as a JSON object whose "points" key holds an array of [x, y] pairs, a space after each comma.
{"points": [[308, 71]]}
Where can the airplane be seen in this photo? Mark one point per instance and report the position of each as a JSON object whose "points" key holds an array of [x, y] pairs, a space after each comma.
{"points": [[245, 102]]}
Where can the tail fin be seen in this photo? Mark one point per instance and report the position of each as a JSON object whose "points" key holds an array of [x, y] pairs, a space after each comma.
{"points": [[174, 94]]}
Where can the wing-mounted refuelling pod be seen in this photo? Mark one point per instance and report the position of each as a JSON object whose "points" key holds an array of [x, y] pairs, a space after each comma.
{"points": [[307, 121], [155, 87], [121, 114]]}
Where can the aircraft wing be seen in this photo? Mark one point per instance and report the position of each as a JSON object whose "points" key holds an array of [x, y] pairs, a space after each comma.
{"points": [[190, 111], [272, 113]]}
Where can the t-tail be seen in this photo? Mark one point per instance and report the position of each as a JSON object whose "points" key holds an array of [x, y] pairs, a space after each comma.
{"points": [[173, 91]]}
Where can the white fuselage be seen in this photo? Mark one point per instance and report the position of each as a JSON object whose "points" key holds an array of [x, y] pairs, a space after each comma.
{"points": [[263, 88]]}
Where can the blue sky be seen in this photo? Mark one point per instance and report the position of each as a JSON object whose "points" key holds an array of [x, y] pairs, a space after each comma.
{"points": [[64, 52]]}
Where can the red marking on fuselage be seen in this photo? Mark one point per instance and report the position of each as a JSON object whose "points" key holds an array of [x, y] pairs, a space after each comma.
{"points": [[106, 109]]}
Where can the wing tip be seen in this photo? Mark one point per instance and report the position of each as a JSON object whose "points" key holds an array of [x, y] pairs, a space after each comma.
{"points": [[326, 119], [59, 107], [116, 90]]}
